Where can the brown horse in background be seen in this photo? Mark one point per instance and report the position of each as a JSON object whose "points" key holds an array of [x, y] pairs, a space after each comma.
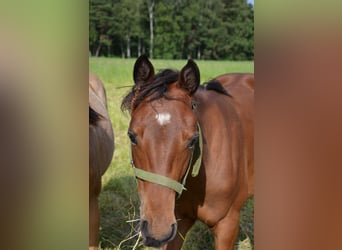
{"points": [[101, 149], [174, 121]]}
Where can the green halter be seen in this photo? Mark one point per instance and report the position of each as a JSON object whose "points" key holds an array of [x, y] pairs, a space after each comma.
{"points": [[166, 181]]}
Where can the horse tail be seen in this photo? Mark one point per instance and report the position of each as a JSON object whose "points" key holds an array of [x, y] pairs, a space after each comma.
{"points": [[94, 117]]}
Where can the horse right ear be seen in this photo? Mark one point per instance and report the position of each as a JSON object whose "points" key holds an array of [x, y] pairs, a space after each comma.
{"points": [[143, 70]]}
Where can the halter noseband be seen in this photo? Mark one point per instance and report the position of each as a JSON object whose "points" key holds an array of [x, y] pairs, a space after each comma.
{"points": [[166, 181]]}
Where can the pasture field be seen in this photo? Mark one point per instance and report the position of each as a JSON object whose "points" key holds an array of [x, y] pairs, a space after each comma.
{"points": [[119, 202]]}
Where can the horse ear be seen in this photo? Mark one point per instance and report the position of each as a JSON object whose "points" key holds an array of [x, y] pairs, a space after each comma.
{"points": [[189, 77], [143, 70]]}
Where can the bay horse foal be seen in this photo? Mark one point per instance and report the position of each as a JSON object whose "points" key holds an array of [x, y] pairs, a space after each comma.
{"points": [[178, 127], [101, 149]]}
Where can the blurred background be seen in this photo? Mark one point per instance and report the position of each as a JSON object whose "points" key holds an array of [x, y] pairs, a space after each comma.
{"points": [[44, 61]]}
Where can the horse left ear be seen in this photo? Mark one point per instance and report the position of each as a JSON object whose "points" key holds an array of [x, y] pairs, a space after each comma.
{"points": [[189, 78]]}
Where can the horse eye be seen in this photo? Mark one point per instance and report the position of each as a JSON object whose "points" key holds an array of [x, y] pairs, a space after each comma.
{"points": [[132, 137], [192, 141]]}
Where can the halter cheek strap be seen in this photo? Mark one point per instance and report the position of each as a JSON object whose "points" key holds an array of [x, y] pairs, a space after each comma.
{"points": [[166, 181], [197, 165]]}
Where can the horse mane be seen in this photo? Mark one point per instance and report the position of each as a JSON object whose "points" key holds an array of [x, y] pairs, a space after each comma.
{"points": [[215, 85], [158, 88], [155, 90], [94, 117]]}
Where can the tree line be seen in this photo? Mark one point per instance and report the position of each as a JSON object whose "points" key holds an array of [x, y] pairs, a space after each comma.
{"points": [[172, 29]]}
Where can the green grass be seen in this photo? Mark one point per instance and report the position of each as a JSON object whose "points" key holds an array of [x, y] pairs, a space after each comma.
{"points": [[119, 201]]}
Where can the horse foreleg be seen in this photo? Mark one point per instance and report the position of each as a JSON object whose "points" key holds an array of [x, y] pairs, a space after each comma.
{"points": [[94, 223], [183, 227], [226, 231], [94, 212]]}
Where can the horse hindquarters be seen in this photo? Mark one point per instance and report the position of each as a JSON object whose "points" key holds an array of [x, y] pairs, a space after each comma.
{"points": [[101, 150]]}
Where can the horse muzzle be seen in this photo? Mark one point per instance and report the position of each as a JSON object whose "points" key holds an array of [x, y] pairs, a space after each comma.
{"points": [[150, 240]]}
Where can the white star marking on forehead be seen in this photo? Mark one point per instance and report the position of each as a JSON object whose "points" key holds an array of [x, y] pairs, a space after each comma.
{"points": [[163, 118]]}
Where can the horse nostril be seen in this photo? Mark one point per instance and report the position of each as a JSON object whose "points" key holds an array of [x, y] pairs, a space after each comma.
{"points": [[143, 226], [173, 230]]}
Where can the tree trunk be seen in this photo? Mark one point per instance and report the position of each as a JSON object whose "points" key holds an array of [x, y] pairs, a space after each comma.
{"points": [[98, 50], [139, 46], [139, 28], [128, 39], [150, 13], [122, 50]]}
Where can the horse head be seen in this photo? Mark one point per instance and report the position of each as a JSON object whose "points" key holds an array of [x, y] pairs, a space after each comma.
{"points": [[163, 132]]}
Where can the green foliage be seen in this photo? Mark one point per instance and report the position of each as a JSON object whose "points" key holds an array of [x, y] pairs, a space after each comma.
{"points": [[119, 201], [202, 29], [100, 19], [239, 20], [168, 35]]}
